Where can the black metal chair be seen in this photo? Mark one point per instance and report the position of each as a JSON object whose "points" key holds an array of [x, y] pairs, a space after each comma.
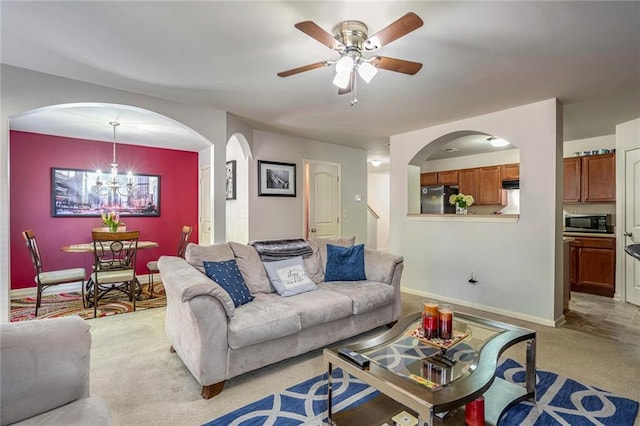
{"points": [[114, 265], [633, 250], [50, 278], [182, 247]]}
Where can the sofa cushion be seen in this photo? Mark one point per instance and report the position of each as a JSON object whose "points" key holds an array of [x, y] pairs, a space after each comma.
{"points": [[365, 295], [196, 254], [345, 263], [266, 318], [320, 306], [251, 268], [289, 277], [313, 263], [227, 275], [322, 246]]}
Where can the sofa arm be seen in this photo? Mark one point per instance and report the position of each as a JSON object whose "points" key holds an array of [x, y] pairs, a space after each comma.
{"points": [[45, 365], [380, 266], [188, 282]]}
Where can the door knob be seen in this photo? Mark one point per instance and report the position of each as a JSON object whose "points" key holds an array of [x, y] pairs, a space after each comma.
{"points": [[313, 230], [628, 234]]}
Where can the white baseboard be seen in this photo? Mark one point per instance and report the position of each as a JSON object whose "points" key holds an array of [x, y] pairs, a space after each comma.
{"points": [[70, 287], [558, 322]]}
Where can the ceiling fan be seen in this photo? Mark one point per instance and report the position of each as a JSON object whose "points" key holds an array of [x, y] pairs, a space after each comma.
{"points": [[351, 40]]}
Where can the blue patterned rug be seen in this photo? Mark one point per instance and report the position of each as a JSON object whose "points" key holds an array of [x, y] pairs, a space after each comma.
{"points": [[560, 401]]}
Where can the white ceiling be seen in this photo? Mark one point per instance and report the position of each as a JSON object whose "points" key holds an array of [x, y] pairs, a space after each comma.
{"points": [[478, 57]]}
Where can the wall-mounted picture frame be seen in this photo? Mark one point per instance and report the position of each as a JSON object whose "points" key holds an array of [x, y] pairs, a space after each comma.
{"points": [[74, 193], [230, 182], [276, 179]]}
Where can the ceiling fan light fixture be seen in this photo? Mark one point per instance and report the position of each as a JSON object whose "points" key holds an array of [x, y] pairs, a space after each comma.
{"points": [[344, 65], [367, 71], [497, 142], [342, 80]]}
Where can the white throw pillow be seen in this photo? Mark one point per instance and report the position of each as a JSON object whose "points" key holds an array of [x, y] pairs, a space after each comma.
{"points": [[289, 276]]}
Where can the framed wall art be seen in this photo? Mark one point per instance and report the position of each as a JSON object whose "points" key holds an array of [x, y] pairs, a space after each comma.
{"points": [[74, 192], [230, 182], [276, 179]]}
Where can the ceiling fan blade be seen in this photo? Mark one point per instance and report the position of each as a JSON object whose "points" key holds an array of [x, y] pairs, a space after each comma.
{"points": [[309, 67], [397, 65], [349, 88], [393, 31], [312, 29]]}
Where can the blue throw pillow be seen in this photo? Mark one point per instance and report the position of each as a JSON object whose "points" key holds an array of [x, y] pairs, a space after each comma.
{"points": [[228, 276], [345, 263]]}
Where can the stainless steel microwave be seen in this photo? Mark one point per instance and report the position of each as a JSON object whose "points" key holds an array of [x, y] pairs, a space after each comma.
{"points": [[587, 222]]}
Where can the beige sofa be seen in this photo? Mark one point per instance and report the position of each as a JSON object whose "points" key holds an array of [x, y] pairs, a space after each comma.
{"points": [[45, 374], [217, 341]]}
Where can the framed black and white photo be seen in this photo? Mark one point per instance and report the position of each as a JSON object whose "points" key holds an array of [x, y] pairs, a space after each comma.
{"points": [[276, 179], [230, 183]]}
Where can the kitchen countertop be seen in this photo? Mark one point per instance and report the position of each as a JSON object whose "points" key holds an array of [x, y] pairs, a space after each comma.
{"points": [[589, 234]]}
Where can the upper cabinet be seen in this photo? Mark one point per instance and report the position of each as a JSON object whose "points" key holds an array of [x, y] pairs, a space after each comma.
{"points": [[449, 177], [489, 189], [590, 179], [510, 171], [428, 179]]}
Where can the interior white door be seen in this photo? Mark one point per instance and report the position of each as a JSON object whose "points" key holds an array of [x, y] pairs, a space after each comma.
{"points": [[632, 225], [204, 238], [323, 199]]}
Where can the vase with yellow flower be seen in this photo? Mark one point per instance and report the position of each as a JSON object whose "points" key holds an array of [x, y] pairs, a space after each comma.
{"points": [[462, 202], [111, 220]]}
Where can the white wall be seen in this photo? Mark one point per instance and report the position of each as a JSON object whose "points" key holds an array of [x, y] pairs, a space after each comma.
{"points": [[24, 90], [378, 198], [471, 161], [281, 217], [238, 209], [518, 265]]}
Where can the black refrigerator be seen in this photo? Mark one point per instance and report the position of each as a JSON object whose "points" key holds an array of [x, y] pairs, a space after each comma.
{"points": [[434, 199]]}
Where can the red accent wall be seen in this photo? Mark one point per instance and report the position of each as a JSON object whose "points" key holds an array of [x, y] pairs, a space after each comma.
{"points": [[32, 156]]}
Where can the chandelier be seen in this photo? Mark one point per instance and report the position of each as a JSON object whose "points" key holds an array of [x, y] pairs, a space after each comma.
{"points": [[113, 185]]}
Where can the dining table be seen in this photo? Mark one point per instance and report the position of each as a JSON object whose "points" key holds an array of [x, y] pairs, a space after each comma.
{"points": [[88, 247]]}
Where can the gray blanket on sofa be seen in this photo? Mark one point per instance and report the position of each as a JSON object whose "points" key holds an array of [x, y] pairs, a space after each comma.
{"points": [[272, 250]]}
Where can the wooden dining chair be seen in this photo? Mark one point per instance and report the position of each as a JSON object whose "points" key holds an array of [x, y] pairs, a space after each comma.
{"points": [[114, 265], [182, 247], [50, 278]]}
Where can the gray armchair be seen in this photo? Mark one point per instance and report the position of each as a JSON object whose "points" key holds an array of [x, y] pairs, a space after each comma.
{"points": [[44, 374]]}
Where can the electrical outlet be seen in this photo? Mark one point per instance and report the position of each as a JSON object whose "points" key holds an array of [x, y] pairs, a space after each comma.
{"points": [[472, 278]]}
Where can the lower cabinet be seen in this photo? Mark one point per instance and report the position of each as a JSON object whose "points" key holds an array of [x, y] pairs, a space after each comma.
{"points": [[592, 266]]}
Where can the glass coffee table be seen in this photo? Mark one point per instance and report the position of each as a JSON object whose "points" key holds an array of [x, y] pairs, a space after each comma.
{"points": [[434, 380]]}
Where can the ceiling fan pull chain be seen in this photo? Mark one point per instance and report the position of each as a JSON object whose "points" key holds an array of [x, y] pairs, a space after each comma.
{"points": [[354, 99]]}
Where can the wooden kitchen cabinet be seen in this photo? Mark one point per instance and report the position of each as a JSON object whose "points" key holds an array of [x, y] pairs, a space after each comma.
{"points": [[428, 179], [592, 266], [489, 189], [468, 182], [589, 179], [599, 178], [510, 171], [572, 177], [449, 177]]}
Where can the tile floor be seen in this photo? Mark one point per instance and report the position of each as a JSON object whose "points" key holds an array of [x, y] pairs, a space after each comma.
{"points": [[605, 317]]}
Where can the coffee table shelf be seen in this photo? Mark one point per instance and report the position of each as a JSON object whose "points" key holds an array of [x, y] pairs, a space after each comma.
{"points": [[475, 374]]}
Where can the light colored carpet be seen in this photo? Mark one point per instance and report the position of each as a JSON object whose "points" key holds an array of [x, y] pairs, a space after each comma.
{"points": [[145, 384]]}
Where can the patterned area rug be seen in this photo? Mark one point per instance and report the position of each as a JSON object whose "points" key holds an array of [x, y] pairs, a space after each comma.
{"points": [[560, 401], [60, 305]]}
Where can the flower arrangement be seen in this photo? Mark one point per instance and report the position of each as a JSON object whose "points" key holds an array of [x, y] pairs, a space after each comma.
{"points": [[111, 219], [461, 200]]}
